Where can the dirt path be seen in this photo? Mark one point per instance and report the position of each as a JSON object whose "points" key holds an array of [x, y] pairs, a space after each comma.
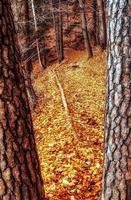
{"points": [[71, 150]]}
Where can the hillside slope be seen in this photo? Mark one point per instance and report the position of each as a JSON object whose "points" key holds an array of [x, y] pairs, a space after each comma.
{"points": [[70, 139]]}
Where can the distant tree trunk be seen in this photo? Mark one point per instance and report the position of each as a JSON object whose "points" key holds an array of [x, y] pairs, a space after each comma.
{"points": [[22, 17], [20, 176], [117, 163], [54, 15], [93, 33], [97, 26], [67, 14], [36, 30], [102, 23], [60, 32], [58, 25], [85, 30], [28, 65], [14, 7], [44, 57]]}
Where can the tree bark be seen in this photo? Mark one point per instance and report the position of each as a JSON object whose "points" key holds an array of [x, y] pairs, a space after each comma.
{"points": [[58, 26], [67, 14], [85, 30], [97, 26], [94, 32], [102, 23], [20, 176], [117, 163]]}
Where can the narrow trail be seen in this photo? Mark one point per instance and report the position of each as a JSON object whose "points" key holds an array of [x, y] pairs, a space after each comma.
{"points": [[69, 127]]}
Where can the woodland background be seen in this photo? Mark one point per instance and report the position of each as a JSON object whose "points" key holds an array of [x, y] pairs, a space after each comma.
{"points": [[52, 100], [66, 90], [52, 78]]}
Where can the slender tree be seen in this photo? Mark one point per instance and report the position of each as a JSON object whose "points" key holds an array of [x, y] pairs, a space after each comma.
{"points": [[85, 30], [58, 26], [102, 23], [36, 31], [27, 66], [60, 32], [94, 32], [97, 26], [20, 176], [117, 163], [67, 14], [22, 17]]}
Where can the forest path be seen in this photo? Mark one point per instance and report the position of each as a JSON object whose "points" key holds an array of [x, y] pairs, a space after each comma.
{"points": [[70, 144]]}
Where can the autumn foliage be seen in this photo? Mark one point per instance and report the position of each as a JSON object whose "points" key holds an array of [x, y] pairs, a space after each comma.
{"points": [[70, 144]]}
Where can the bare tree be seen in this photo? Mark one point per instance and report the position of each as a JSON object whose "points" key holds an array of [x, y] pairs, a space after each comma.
{"points": [[22, 17], [27, 66], [36, 31], [85, 30], [102, 23], [94, 31], [58, 25]]}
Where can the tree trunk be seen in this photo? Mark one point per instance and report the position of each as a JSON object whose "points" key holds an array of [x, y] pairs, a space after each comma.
{"points": [[28, 65], [37, 40], [97, 26], [22, 10], [94, 32], [102, 23], [60, 32], [20, 176], [67, 14], [85, 30], [117, 163], [58, 25]]}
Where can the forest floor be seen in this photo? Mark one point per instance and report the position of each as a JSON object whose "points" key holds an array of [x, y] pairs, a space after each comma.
{"points": [[70, 139]]}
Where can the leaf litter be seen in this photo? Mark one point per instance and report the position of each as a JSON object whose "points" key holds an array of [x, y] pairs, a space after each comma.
{"points": [[70, 145]]}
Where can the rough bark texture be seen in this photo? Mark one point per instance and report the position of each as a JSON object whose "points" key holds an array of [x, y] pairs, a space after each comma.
{"points": [[117, 164], [20, 177]]}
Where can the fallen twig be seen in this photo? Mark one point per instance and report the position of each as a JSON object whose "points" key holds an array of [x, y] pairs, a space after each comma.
{"points": [[63, 98]]}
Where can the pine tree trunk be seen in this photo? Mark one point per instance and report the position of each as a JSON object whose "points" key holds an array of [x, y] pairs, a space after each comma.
{"points": [[85, 30], [20, 176], [102, 23], [117, 163]]}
